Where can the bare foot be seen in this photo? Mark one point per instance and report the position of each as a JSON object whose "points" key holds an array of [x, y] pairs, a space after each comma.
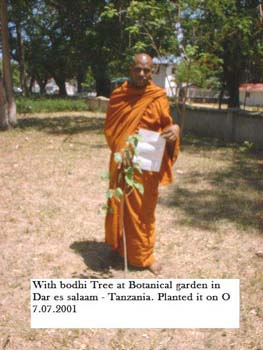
{"points": [[155, 268], [259, 252]]}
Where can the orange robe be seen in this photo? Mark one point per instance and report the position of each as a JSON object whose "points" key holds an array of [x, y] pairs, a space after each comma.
{"points": [[130, 109]]}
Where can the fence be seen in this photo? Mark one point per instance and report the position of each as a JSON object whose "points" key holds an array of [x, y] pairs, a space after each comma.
{"points": [[230, 125]]}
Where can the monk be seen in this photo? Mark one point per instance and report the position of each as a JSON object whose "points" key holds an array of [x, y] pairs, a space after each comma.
{"points": [[138, 103]]}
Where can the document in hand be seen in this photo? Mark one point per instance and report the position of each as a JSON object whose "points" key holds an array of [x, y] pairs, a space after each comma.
{"points": [[150, 150]]}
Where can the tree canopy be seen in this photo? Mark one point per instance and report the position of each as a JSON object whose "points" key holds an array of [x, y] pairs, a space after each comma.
{"points": [[221, 41]]}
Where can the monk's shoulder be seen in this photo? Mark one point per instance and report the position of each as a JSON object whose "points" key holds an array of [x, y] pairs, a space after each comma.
{"points": [[116, 91], [162, 103], [162, 95], [119, 91], [158, 89]]}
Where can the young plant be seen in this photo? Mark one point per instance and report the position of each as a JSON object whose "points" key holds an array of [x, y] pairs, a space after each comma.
{"points": [[124, 159], [126, 182], [246, 147]]}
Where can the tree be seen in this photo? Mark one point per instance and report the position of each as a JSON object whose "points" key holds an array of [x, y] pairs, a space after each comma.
{"points": [[48, 47], [18, 13], [229, 30], [7, 99], [64, 39], [226, 35], [150, 25]]}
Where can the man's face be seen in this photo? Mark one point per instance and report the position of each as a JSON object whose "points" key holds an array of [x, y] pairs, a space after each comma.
{"points": [[141, 71]]}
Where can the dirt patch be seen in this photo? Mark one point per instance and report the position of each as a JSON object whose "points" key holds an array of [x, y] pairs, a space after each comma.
{"points": [[209, 225]]}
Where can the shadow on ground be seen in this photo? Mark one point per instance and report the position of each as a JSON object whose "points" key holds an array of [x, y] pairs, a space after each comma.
{"points": [[97, 257], [231, 194], [63, 125]]}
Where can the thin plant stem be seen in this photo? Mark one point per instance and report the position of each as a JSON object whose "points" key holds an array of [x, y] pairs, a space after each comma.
{"points": [[124, 238], [123, 189], [122, 205]]}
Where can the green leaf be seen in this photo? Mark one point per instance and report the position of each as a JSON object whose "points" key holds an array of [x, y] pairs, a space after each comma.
{"points": [[133, 140], [104, 209], [137, 166], [109, 12], [139, 186], [109, 193], [128, 154], [129, 172], [129, 181], [117, 157], [118, 192], [105, 175]]}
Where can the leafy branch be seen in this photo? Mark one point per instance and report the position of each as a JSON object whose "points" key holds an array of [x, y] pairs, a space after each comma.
{"points": [[126, 182]]}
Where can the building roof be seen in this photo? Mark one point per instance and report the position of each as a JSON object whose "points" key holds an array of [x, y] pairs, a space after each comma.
{"points": [[251, 87], [165, 60]]}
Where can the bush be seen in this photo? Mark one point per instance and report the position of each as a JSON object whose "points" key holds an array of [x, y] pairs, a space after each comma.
{"points": [[49, 104]]}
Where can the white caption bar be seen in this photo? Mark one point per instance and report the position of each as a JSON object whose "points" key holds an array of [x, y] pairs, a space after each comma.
{"points": [[135, 303]]}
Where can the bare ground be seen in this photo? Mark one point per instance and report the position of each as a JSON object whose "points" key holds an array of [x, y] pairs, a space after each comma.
{"points": [[209, 225]]}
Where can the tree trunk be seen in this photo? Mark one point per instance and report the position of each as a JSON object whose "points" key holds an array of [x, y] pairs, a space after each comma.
{"points": [[80, 79], [3, 107], [8, 85], [103, 87], [233, 90], [220, 98], [42, 85], [31, 85], [181, 108], [233, 62], [21, 55], [101, 79], [61, 83]]}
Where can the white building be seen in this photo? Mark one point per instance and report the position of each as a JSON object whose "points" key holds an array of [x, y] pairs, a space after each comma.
{"points": [[251, 94], [164, 75], [52, 88]]}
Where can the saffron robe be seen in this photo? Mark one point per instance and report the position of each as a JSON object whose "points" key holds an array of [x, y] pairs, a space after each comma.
{"points": [[130, 109]]}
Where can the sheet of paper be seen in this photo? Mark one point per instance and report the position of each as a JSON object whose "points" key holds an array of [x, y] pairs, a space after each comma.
{"points": [[150, 150]]}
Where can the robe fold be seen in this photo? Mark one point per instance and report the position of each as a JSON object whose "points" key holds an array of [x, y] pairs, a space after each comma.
{"points": [[130, 109]]}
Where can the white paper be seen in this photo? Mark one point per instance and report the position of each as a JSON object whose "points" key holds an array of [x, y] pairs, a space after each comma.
{"points": [[150, 150]]}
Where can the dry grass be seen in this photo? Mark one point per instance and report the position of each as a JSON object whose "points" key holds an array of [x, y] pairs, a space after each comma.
{"points": [[209, 224]]}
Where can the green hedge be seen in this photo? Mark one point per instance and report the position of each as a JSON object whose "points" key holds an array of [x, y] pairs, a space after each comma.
{"points": [[49, 104]]}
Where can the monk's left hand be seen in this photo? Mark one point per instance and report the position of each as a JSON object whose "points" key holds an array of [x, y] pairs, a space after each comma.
{"points": [[171, 133]]}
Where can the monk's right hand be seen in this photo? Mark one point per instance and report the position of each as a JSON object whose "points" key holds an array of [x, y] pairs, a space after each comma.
{"points": [[171, 133]]}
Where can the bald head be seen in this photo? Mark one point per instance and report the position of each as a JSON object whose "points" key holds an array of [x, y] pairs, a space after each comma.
{"points": [[141, 70], [142, 58]]}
